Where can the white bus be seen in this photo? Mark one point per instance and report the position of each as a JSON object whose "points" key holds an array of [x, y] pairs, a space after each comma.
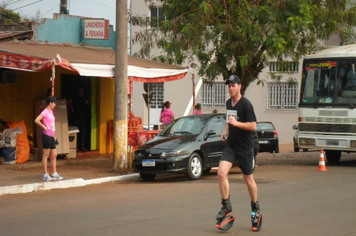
{"points": [[327, 105]]}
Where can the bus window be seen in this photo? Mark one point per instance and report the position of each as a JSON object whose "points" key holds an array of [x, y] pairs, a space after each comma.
{"points": [[319, 84]]}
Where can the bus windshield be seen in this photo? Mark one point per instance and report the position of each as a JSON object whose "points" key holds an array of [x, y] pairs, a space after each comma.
{"points": [[329, 82]]}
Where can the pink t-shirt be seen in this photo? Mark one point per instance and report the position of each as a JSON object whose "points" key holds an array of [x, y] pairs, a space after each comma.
{"points": [[167, 116], [48, 121], [197, 112]]}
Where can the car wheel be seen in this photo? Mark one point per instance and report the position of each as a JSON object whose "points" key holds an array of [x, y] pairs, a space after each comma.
{"points": [[147, 177], [276, 149], [296, 148], [195, 167], [207, 170]]}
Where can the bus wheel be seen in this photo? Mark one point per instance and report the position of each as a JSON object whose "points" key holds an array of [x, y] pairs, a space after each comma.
{"points": [[333, 156]]}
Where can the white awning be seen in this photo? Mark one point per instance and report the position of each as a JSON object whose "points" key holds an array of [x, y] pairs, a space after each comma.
{"points": [[97, 70]]}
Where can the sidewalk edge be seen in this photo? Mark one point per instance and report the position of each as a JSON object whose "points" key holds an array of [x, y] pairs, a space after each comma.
{"points": [[70, 183]]}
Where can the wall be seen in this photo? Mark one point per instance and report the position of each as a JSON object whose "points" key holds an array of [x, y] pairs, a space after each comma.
{"points": [[69, 29], [62, 30], [106, 110], [17, 100], [20, 106]]}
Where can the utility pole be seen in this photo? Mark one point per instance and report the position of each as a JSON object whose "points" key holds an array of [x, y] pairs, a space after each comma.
{"points": [[121, 85]]}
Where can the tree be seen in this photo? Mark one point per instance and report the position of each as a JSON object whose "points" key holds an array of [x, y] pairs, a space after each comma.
{"points": [[237, 36], [10, 16]]}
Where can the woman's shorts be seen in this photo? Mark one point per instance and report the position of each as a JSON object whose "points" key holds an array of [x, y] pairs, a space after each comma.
{"points": [[244, 158], [48, 142]]}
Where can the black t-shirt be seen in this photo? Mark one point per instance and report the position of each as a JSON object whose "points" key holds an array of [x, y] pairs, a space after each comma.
{"points": [[240, 139]]}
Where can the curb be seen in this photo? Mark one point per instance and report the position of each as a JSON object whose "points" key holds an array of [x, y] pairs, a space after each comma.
{"points": [[70, 183]]}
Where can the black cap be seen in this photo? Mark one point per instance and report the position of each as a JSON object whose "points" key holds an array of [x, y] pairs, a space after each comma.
{"points": [[51, 99], [234, 79]]}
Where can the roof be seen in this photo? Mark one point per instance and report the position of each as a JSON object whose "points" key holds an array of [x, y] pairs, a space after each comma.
{"points": [[9, 36], [338, 51], [91, 61], [78, 54]]}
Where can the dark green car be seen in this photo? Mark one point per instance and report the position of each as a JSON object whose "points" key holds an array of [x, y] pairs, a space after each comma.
{"points": [[190, 145]]}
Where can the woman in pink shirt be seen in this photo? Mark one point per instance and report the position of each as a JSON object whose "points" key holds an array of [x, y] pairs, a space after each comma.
{"points": [[48, 137], [197, 110], [167, 115]]}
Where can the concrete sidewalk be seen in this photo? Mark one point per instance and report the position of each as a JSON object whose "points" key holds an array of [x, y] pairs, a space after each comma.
{"points": [[87, 169]]}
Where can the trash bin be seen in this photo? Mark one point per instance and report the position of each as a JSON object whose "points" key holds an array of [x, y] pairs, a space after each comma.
{"points": [[72, 135]]}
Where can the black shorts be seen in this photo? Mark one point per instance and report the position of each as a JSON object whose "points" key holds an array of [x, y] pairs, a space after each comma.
{"points": [[48, 142], [245, 159]]}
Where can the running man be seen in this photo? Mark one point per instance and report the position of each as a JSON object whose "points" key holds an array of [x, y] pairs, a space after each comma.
{"points": [[239, 136]]}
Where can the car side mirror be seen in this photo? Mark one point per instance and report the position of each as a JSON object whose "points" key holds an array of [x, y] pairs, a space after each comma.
{"points": [[211, 132], [295, 127]]}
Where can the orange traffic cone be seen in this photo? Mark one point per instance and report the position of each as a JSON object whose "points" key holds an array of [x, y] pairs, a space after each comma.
{"points": [[322, 166]]}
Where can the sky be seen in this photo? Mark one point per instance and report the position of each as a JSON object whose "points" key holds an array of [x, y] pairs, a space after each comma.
{"points": [[89, 8]]}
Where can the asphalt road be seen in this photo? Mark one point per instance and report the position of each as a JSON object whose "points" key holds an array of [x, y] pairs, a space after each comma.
{"points": [[295, 199]]}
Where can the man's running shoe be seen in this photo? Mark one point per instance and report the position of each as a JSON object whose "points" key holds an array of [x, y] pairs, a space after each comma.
{"points": [[256, 217], [225, 212]]}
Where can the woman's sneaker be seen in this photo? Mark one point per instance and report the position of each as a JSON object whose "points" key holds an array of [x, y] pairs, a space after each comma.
{"points": [[56, 176], [46, 177]]}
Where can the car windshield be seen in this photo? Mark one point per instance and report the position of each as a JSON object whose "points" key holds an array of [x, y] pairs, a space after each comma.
{"points": [[262, 126], [185, 126]]}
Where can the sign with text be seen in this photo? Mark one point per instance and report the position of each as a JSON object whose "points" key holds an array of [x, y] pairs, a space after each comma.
{"points": [[96, 29]]}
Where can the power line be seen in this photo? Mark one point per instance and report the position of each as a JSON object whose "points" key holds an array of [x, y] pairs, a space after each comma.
{"points": [[49, 10], [27, 5], [10, 2]]}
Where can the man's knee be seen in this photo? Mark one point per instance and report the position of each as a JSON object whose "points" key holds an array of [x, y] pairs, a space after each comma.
{"points": [[222, 174], [249, 180]]}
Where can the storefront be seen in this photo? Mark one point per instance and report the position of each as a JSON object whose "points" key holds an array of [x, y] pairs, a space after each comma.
{"points": [[39, 67]]}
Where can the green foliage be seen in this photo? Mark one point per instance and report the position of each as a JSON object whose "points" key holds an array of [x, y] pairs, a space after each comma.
{"points": [[237, 36], [10, 16]]}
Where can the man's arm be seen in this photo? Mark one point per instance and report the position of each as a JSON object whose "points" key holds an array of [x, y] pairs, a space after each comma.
{"points": [[250, 126]]}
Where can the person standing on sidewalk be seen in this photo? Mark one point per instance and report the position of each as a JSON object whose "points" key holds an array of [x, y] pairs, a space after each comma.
{"points": [[48, 137], [239, 135]]}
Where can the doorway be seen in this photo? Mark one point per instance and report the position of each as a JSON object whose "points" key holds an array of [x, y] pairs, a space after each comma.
{"points": [[81, 114]]}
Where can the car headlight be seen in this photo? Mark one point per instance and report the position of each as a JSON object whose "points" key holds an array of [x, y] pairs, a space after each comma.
{"points": [[138, 155], [173, 154], [306, 141], [353, 143]]}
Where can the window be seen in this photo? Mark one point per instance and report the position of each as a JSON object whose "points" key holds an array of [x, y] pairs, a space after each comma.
{"points": [[217, 124], [157, 90], [214, 95], [282, 95], [157, 15], [283, 66]]}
